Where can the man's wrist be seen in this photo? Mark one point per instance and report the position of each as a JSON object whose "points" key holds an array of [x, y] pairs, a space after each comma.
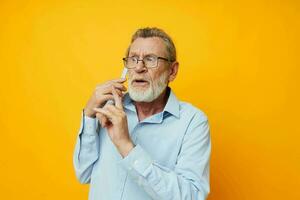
{"points": [[89, 113], [125, 148]]}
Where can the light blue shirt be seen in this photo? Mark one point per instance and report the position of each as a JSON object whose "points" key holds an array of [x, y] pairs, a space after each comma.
{"points": [[170, 160]]}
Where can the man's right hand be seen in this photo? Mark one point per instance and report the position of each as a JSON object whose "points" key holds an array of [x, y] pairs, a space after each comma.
{"points": [[103, 93]]}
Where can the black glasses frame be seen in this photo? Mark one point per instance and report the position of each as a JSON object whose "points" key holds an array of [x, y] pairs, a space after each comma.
{"points": [[137, 61]]}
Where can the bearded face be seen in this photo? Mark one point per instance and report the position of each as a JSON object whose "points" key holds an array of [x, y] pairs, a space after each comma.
{"points": [[147, 84]]}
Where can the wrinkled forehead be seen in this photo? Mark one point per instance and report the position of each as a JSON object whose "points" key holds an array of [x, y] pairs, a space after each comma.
{"points": [[145, 46]]}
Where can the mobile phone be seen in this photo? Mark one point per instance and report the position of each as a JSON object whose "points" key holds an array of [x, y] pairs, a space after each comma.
{"points": [[123, 75]]}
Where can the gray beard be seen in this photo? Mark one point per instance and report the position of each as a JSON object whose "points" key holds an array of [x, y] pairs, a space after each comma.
{"points": [[154, 90]]}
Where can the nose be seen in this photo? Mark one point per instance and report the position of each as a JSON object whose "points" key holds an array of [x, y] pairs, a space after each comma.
{"points": [[140, 67]]}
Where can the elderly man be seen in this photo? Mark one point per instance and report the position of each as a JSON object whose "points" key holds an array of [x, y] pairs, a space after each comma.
{"points": [[148, 144]]}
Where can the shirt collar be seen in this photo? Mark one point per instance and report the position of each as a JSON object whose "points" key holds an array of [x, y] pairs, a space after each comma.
{"points": [[172, 105]]}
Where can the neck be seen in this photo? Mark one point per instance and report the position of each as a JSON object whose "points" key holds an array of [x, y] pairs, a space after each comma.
{"points": [[146, 109]]}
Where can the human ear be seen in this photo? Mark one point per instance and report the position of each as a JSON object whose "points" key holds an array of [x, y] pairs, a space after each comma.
{"points": [[173, 71]]}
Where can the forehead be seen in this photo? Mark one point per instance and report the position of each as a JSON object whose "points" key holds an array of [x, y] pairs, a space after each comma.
{"points": [[152, 45]]}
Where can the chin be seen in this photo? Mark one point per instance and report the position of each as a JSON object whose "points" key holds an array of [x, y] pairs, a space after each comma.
{"points": [[145, 95], [141, 95]]}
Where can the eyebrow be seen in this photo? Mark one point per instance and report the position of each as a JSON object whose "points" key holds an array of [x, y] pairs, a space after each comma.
{"points": [[136, 54]]}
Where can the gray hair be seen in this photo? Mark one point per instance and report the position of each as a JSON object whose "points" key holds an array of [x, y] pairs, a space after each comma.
{"points": [[155, 32]]}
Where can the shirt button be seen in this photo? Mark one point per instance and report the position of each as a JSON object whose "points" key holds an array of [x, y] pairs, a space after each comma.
{"points": [[136, 162]]}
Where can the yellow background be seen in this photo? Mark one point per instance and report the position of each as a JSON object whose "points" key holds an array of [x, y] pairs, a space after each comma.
{"points": [[239, 63]]}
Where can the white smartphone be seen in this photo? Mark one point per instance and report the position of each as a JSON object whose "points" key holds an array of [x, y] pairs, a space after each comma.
{"points": [[123, 75]]}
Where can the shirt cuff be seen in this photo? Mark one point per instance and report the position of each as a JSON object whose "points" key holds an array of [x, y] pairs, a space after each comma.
{"points": [[138, 160], [90, 125]]}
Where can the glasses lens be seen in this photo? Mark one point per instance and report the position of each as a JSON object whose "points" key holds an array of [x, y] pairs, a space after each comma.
{"points": [[131, 62], [150, 61]]}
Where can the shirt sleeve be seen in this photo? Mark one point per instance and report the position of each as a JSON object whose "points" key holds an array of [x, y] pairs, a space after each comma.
{"points": [[86, 150], [189, 180]]}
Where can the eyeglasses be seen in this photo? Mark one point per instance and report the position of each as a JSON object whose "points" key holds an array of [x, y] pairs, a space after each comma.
{"points": [[150, 61]]}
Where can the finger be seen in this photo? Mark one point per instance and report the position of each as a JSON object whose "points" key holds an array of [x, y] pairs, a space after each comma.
{"points": [[107, 97], [107, 88], [112, 109], [105, 121], [117, 98], [102, 119], [119, 92], [119, 86], [105, 112], [104, 98]]}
